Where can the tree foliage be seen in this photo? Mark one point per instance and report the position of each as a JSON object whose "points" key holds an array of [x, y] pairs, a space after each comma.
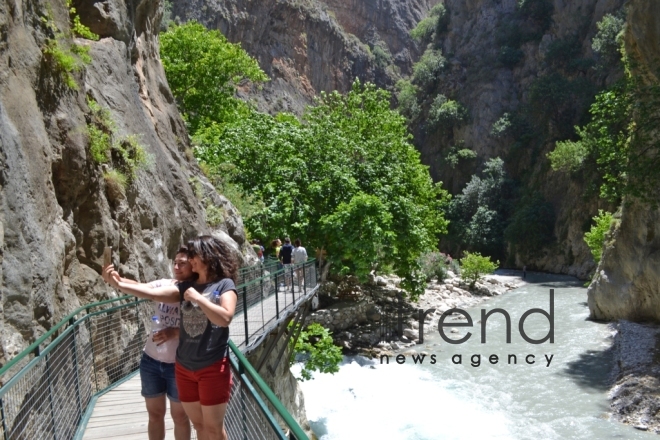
{"points": [[607, 41], [407, 97], [531, 227], [474, 266], [203, 69], [477, 215], [595, 238], [446, 113], [346, 180], [315, 346], [428, 68], [434, 24]]}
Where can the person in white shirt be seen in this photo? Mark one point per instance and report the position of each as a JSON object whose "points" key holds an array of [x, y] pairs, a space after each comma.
{"points": [[158, 358], [299, 256]]}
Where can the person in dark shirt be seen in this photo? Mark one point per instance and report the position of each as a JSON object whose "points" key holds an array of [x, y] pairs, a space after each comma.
{"points": [[286, 252], [207, 305]]}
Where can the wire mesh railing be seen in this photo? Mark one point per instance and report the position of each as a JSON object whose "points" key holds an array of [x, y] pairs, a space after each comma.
{"points": [[269, 300], [47, 389]]}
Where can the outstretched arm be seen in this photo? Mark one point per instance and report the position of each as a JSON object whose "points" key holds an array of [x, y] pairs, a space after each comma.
{"points": [[166, 294]]}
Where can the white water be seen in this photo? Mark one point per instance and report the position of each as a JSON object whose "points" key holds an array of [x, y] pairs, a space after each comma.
{"points": [[568, 399]]}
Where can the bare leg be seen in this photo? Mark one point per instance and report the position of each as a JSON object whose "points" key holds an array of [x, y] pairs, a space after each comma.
{"points": [[194, 412], [181, 421], [214, 421], [156, 407]]}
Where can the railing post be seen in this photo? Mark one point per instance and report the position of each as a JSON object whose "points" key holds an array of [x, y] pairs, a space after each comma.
{"points": [[50, 396], [304, 272], [293, 290], [241, 373], [245, 315], [75, 368], [277, 297]]}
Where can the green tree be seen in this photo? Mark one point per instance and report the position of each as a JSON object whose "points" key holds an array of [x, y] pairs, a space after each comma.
{"points": [[434, 24], [407, 97], [446, 113], [319, 352], [477, 215], [349, 164], [358, 234], [428, 68], [203, 70], [531, 227], [474, 266], [595, 238], [607, 41]]}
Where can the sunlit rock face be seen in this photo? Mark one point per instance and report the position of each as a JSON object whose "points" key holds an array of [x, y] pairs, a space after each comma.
{"points": [[57, 211], [307, 47], [627, 284]]}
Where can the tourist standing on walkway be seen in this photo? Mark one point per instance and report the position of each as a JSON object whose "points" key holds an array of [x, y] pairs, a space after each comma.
{"points": [[277, 245], [157, 363], [286, 253], [258, 249], [207, 305], [299, 257]]}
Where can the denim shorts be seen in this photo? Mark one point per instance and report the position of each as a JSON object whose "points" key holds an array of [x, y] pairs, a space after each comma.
{"points": [[157, 378]]}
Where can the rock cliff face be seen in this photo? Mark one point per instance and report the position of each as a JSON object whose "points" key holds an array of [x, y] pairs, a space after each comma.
{"points": [[627, 283], [479, 78], [306, 46], [57, 211]]}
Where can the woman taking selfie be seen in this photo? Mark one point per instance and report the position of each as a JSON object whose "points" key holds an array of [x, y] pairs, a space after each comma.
{"points": [[207, 305]]}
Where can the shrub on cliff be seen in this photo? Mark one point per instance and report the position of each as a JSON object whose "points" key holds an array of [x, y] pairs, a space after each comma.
{"points": [[446, 113], [434, 24], [427, 70], [595, 238], [609, 38], [619, 143], [315, 348]]}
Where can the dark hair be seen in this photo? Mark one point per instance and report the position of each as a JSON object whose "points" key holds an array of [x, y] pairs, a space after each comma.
{"points": [[274, 243], [216, 254], [287, 240], [297, 242], [182, 250]]}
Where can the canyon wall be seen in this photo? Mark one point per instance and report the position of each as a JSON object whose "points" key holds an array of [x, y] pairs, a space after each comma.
{"points": [[627, 282], [59, 206], [306, 46]]}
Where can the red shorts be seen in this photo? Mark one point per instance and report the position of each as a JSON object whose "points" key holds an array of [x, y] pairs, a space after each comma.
{"points": [[209, 386]]}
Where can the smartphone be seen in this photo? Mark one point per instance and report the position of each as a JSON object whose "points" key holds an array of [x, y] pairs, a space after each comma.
{"points": [[107, 256]]}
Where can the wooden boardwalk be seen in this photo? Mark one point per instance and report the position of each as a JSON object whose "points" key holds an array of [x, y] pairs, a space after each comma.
{"points": [[121, 412]]}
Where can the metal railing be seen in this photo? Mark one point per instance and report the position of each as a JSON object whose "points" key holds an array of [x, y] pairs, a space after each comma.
{"points": [[47, 389], [270, 299], [50, 386]]}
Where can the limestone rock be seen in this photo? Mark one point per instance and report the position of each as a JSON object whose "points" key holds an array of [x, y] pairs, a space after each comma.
{"points": [[57, 211]]}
